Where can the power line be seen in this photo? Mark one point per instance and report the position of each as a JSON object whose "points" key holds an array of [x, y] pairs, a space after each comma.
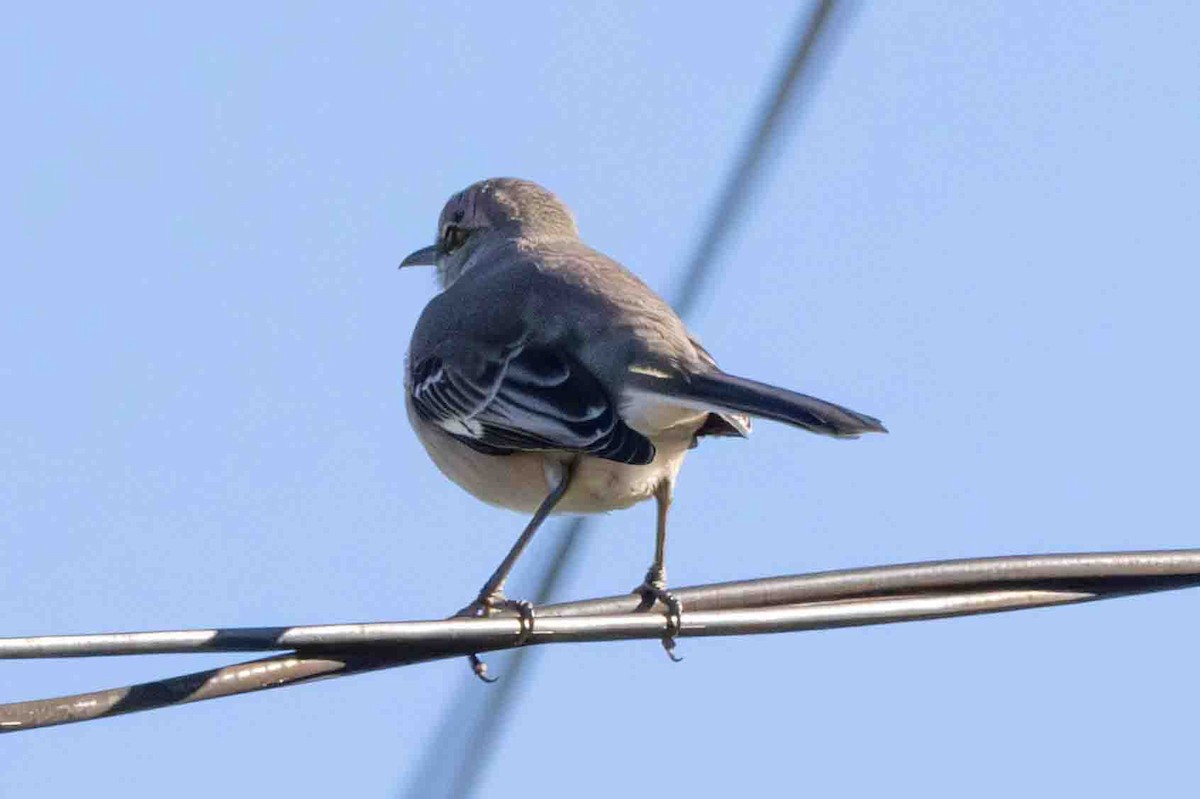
{"points": [[733, 200], [823, 600]]}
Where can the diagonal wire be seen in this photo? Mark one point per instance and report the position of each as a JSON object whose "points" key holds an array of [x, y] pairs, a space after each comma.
{"points": [[456, 756], [459, 753], [798, 73]]}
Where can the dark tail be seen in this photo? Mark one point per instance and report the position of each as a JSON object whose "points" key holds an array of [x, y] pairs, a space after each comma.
{"points": [[721, 391]]}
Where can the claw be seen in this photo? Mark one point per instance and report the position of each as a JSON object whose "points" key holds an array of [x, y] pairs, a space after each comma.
{"points": [[654, 589], [485, 606], [480, 668], [674, 623]]}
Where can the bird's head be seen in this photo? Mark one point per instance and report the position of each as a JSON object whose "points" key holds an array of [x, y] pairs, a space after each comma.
{"points": [[490, 211]]}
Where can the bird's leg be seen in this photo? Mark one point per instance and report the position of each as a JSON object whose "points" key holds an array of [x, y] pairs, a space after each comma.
{"points": [[654, 587], [491, 597]]}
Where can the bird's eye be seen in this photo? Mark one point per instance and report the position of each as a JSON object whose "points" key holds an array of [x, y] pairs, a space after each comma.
{"points": [[453, 238]]}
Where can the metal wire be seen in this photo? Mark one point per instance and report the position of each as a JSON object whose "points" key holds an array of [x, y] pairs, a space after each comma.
{"points": [[824, 600], [1108, 573]]}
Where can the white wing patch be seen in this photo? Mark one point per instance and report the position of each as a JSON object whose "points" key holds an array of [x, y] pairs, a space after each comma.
{"points": [[461, 427], [433, 379]]}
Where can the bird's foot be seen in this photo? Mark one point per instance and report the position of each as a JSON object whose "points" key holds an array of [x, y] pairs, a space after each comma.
{"points": [[484, 606], [654, 589]]}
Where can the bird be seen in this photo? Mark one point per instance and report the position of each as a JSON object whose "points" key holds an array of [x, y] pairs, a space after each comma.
{"points": [[545, 377]]}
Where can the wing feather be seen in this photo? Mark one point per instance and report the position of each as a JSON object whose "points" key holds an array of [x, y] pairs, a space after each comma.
{"points": [[526, 399]]}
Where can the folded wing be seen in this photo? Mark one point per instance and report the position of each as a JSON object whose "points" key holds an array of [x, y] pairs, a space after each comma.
{"points": [[525, 399]]}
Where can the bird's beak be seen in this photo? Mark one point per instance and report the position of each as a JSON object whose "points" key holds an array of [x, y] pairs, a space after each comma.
{"points": [[426, 256]]}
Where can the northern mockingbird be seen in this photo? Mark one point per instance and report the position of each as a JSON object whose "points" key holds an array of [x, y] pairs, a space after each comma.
{"points": [[546, 377]]}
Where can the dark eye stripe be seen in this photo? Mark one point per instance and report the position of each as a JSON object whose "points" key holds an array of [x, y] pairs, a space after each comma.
{"points": [[453, 237]]}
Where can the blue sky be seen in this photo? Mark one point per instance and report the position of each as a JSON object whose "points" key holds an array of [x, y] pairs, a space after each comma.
{"points": [[983, 230]]}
